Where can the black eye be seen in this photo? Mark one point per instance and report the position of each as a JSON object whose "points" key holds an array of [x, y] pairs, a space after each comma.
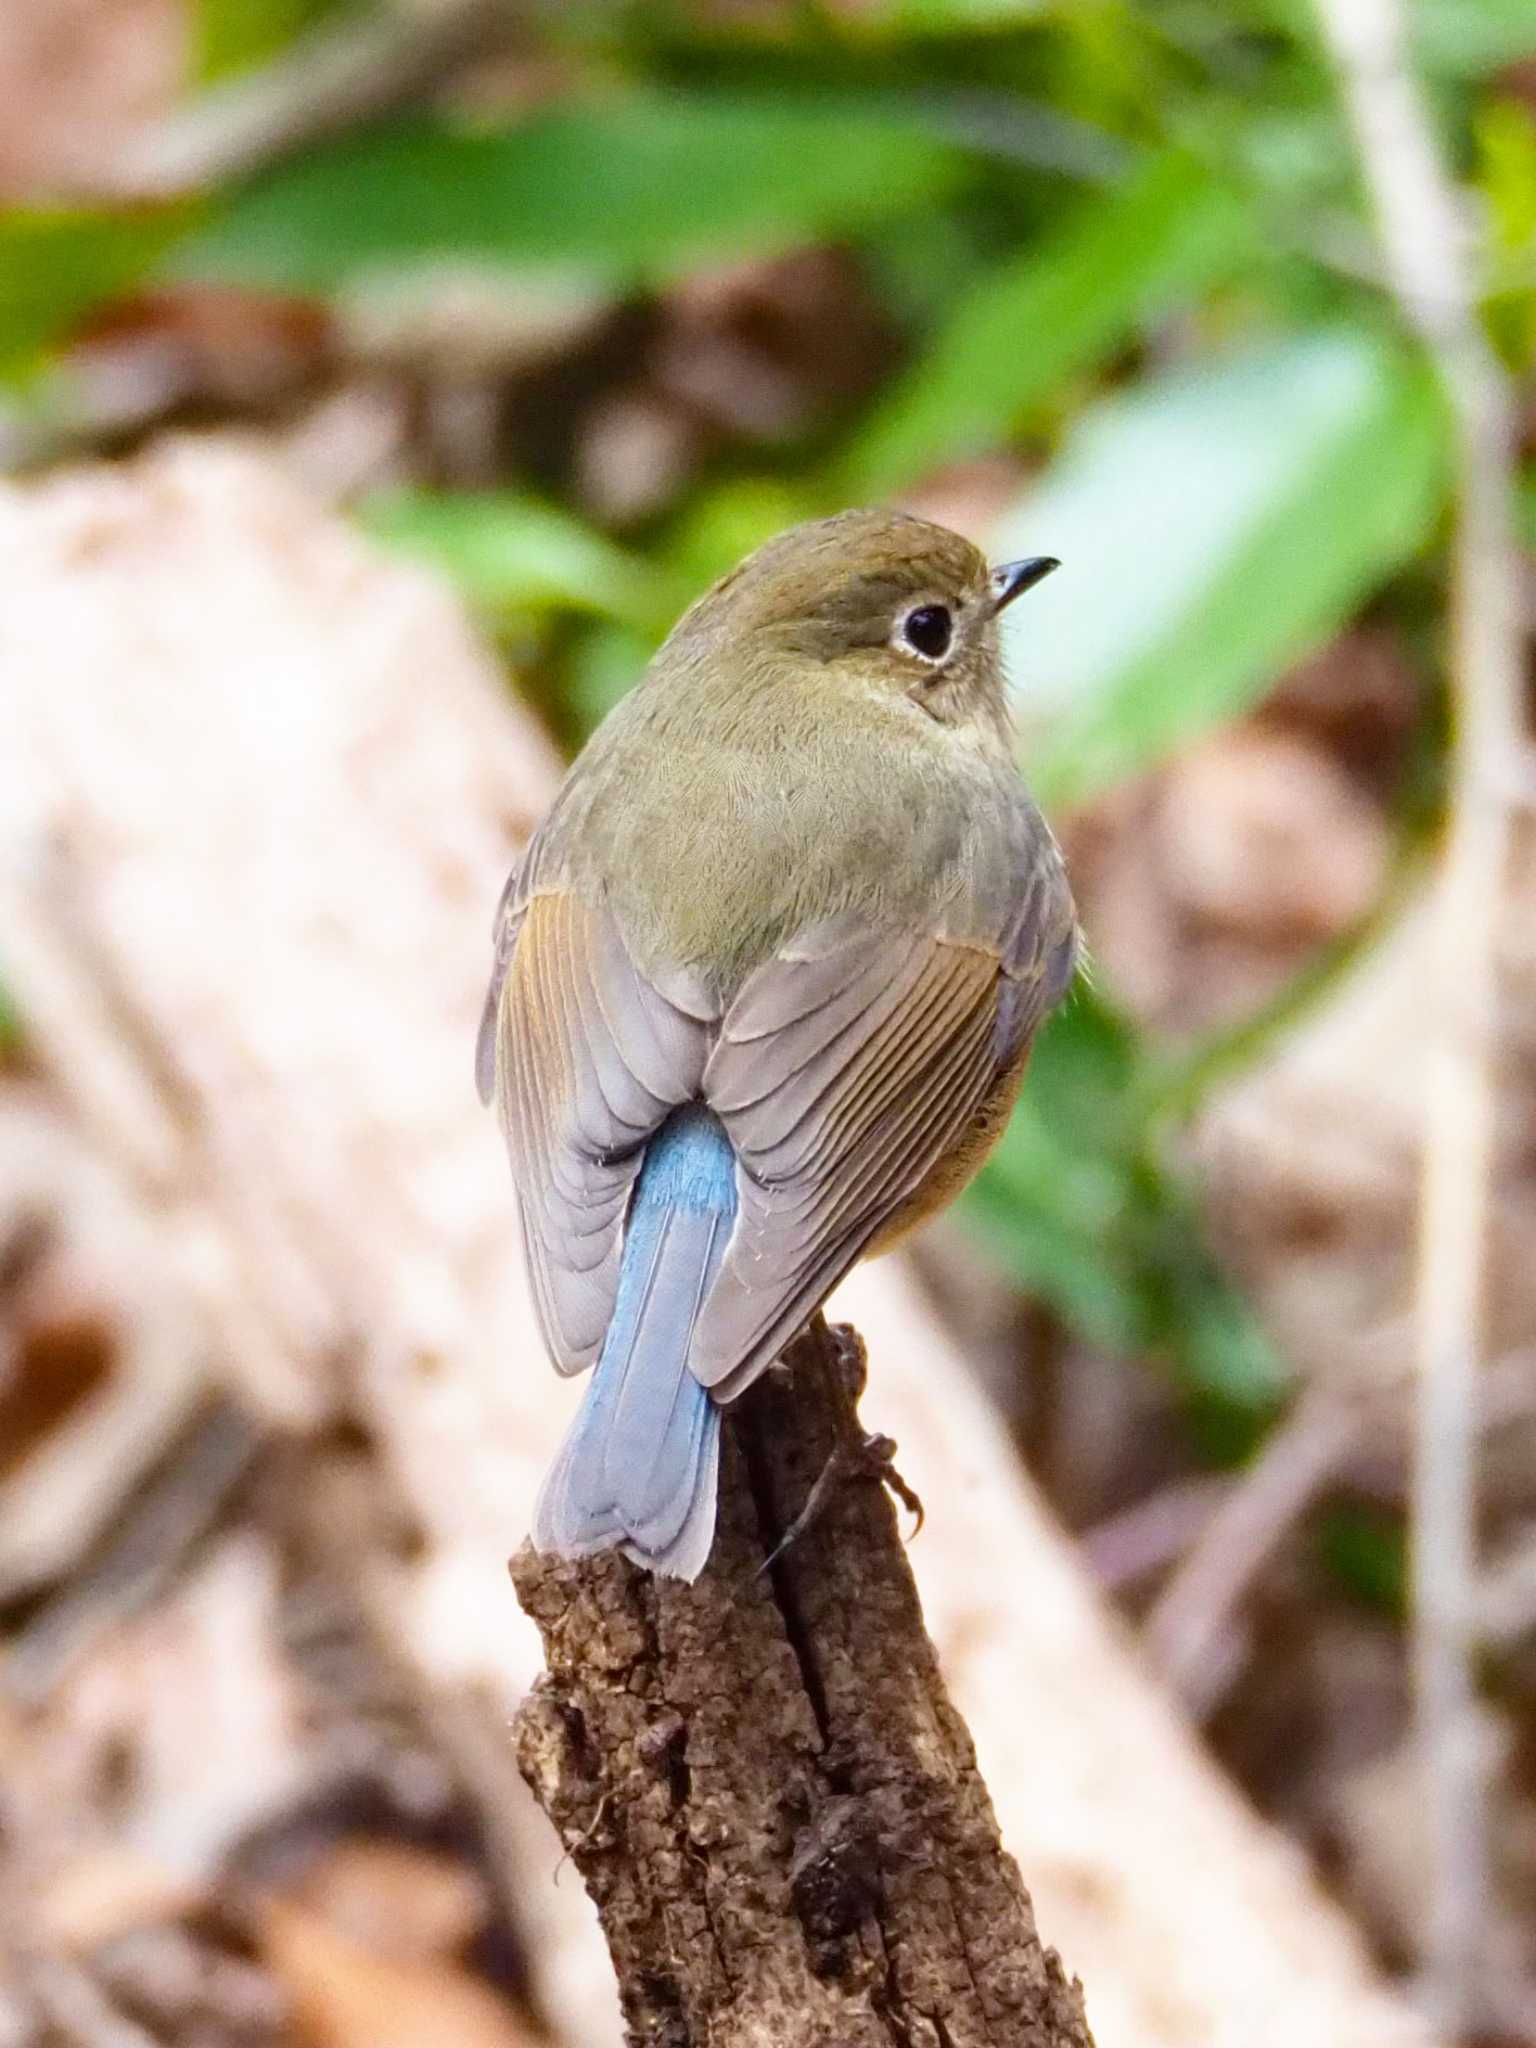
{"points": [[928, 630]]}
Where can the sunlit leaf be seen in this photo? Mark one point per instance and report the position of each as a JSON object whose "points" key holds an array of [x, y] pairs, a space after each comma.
{"points": [[635, 188], [1213, 525], [950, 17], [1506, 142], [232, 35], [512, 554], [1506, 179], [1054, 310], [1470, 38], [10, 1023], [57, 264]]}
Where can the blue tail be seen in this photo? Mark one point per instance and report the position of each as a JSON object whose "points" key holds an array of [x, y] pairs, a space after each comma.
{"points": [[639, 1465]]}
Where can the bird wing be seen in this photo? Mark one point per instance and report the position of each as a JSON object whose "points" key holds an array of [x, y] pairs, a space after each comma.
{"points": [[845, 1070], [586, 1057]]}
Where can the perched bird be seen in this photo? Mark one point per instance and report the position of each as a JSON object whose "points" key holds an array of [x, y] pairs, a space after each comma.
{"points": [[764, 988]]}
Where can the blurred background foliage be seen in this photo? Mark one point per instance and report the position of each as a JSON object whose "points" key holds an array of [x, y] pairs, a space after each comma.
{"points": [[585, 312]]}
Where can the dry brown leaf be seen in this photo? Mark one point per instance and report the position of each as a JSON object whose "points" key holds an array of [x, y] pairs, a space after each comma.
{"points": [[98, 1370], [176, 1736], [343, 1996], [1264, 835], [1310, 1159], [108, 1891], [1205, 887], [395, 1898]]}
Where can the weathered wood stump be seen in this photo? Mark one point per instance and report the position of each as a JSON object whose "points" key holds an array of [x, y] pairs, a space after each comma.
{"points": [[761, 1777]]}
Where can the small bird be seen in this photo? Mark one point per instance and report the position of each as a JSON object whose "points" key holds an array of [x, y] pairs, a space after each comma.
{"points": [[765, 983]]}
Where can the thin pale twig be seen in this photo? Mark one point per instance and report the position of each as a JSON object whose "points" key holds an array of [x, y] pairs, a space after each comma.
{"points": [[169, 1517], [1425, 245], [329, 82], [1194, 1613], [1506, 1608], [1147, 1538]]}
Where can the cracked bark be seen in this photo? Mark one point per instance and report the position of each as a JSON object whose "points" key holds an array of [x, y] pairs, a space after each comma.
{"points": [[761, 1779]]}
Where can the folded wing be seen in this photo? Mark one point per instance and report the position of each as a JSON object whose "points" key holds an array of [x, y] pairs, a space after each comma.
{"points": [[586, 1058], [845, 1071]]}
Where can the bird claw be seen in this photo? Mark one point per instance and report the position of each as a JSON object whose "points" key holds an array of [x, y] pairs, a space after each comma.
{"points": [[872, 1456], [878, 1455]]}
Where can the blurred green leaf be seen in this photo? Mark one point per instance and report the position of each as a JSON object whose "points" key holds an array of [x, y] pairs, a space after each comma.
{"points": [[637, 188], [1214, 524], [724, 525], [58, 263], [510, 554], [950, 17], [1472, 38], [1506, 145], [233, 35], [10, 1024], [1055, 310], [607, 662], [1079, 1206], [719, 528], [1505, 133], [1062, 1184], [1367, 1548]]}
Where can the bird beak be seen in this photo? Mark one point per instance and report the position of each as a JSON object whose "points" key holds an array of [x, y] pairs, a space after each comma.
{"points": [[1011, 579]]}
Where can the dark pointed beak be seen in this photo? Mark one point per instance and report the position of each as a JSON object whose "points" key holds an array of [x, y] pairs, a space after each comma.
{"points": [[1011, 579]]}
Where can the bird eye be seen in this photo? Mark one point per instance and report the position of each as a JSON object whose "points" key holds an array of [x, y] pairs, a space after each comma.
{"points": [[928, 631]]}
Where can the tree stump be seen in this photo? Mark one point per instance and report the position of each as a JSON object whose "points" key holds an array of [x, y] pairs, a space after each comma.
{"points": [[760, 1776]]}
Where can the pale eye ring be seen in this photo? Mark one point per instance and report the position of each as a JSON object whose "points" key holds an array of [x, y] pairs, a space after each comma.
{"points": [[928, 630]]}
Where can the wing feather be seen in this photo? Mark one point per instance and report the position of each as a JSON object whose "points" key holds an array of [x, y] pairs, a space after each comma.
{"points": [[835, 1128], [588, 1058]]}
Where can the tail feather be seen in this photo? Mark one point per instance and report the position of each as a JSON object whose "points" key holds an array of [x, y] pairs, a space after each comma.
{"points": [[639, 1466]]}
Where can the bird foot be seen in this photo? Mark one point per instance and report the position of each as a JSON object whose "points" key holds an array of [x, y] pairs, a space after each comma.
{"points": [[877, 1455], [867, 1456]]}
